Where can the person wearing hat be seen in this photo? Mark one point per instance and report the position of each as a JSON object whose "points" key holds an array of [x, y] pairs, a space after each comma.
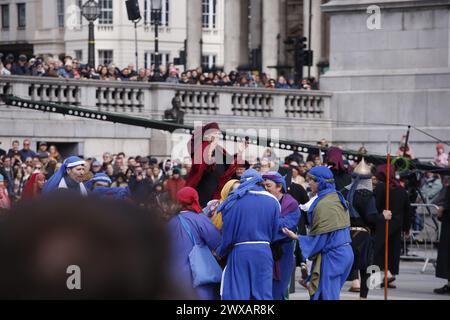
{"points": [[441, 158], [100, 185], [336, 164], [69, 177], [173, 76], [363, 218], [99, 180], [20, 68], [189, 225], [240, 169], [283, 247], [174, 184], [96, 167], [48, 164], [400, 222], [212, 165], [67, 71], [328, 244], [34, 186], [43, 147], [43, 157], [250, 218]]}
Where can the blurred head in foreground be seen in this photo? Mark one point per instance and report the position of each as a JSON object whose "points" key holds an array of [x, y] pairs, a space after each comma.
{"points": [[121, 251]]}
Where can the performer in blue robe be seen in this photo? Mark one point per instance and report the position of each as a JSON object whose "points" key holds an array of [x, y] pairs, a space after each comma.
{"points": [[100, 185], [68, 177], [203, 231], [283, 247], [99, 180], [328, 244], [115, 193], [250, 224]]}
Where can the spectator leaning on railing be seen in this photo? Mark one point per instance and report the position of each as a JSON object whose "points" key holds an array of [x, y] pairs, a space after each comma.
{"points": [[71, 68], [3, 70]]}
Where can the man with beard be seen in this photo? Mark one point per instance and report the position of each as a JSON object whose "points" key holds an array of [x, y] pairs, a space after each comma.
{"points": [[212, 165]]}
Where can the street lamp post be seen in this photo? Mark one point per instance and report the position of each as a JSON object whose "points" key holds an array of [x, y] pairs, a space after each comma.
{"points": [[156, 12], [91, 11]]}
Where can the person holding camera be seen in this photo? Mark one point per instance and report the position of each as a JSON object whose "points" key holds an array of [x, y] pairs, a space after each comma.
{"points": [[141, 186]]}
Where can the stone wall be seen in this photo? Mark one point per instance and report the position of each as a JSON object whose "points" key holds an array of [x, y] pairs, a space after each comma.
{"points": [[397, 76]]}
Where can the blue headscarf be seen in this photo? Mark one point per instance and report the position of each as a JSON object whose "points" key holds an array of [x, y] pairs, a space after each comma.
{"points": [[52, 184], [249, 181], [98, 177], [118, 193], [325, 179], [277, 178]]}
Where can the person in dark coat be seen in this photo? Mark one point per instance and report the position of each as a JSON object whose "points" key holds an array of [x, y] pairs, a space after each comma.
{"points": [[364, 216], [399, 206], [443, 258], [336, 165], [26, 152], [21, 68], [141, 187], [2, 152]]}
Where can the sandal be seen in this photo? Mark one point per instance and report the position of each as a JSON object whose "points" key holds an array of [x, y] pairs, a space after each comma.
{"points": [[304, 270], [354, 289], [390, 286], [391, 279], [444, 290], [302, 282]]}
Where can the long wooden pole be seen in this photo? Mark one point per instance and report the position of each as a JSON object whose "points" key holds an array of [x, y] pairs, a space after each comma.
{"points": [[386, 242]]}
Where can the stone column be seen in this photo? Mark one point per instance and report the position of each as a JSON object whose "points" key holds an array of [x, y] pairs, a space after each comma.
{"points": [[271, 30], [236, 34], [255, 23], [281, 47], [316, 33], [194, 33]]}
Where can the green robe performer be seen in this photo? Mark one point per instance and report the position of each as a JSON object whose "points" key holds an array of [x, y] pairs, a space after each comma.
{"points": [[328, 243]]}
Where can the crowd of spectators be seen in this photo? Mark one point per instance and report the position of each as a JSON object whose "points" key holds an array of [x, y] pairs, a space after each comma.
{"points": [[151, 180], [70, 68]]}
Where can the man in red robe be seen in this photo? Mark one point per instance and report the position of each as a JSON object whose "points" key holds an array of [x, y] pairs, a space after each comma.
{"points": [[212, 166]]}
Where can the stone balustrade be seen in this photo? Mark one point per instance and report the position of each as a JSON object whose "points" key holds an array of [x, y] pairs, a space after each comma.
{"points": [[152, 99]]}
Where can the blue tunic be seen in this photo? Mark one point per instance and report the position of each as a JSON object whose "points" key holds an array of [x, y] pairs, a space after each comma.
{"points": [[286, 263], [337, 261], [205, 233], [248, 274]]}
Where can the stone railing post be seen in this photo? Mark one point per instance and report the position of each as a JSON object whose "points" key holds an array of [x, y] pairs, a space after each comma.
{"points": [[278, 105], [87, 96]]}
